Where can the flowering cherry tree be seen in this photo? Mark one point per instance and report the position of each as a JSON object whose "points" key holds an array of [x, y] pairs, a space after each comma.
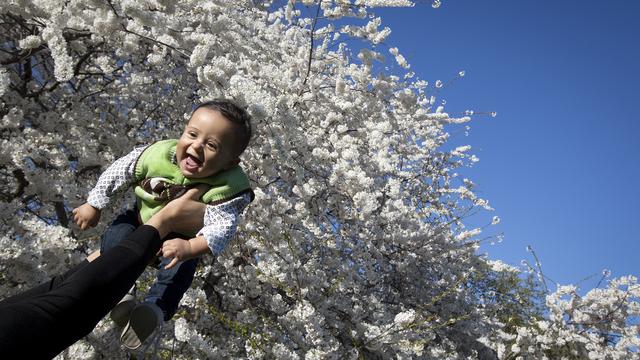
{"points": [[355, 246]]}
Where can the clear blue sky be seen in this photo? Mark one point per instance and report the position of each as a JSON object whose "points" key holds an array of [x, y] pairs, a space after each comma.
{"points": [[561, 161]]}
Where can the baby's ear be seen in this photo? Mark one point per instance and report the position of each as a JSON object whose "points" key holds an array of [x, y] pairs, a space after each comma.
{"points": [[232, 163]]}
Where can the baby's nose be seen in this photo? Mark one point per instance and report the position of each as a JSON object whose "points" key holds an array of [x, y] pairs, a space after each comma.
{"points": [[197, 144]]}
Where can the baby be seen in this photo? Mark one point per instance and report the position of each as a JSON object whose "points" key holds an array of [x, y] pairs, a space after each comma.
{"points": [[207, 153]]}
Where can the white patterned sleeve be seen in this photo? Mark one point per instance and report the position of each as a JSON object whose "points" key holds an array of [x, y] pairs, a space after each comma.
{"points": [[118, 175], [220, 222]]}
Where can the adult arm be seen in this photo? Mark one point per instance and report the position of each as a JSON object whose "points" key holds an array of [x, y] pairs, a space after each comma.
{"points": [[42, 325]]}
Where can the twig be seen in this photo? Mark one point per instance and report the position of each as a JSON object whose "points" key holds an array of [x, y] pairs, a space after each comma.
{"points": [[539, 266], [313, 28], [156, 41]]}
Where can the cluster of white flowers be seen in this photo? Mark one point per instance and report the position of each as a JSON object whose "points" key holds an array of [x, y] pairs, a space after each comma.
{"points": [[603, 324], [399, 58], [368, 32], [406, 317], [384, 3], [500, 266], [52, 35], [354, 246], [468, 234], [30, 42], [5, 81]]}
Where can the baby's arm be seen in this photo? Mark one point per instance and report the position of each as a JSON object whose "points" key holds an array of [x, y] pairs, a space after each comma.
{"points": [[220, 222], [117, 176]]}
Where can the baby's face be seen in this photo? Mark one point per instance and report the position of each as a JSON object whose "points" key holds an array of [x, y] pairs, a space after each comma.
{"points": [[205, 147]]}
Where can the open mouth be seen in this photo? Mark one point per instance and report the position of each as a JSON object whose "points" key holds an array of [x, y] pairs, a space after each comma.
{"points": [[191, 163]]}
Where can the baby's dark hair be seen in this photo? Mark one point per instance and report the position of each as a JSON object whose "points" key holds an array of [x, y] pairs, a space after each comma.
{"points": [[234, 113]]}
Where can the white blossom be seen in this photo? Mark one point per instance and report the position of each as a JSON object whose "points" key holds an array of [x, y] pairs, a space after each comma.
{"points": [[499, 266], [5, 81], [405, 317], [30, 42], [464, 235], [62, 61], [399, 58], [385, 3]]}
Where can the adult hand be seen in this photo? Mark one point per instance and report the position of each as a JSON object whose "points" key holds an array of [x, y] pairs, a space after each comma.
{"points": [[182, 215]]}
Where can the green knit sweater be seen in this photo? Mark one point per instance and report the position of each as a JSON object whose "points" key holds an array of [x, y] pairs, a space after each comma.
{"points": [[157, 161]]}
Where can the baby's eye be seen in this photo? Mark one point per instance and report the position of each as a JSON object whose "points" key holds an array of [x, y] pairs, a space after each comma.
{"points": [[191, 134], [212, 146]]}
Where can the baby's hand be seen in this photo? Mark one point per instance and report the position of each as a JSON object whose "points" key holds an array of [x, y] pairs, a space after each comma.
{"points": [[177, 250], [86, 216]]}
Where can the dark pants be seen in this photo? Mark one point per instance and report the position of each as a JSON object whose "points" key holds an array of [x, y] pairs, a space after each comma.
{"points": [[171, 284], [43, 321]]}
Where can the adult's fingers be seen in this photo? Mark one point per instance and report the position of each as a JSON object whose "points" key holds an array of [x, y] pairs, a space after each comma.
{"points": [[187, 213], [173, 263], [196, 192]]}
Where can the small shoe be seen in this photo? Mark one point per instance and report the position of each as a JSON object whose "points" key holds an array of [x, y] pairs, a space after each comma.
{"points": [[143, 321], [120, 313]]}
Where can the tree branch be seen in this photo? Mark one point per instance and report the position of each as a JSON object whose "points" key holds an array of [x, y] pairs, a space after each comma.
{"points": [[313, 29], [156, 41]]}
